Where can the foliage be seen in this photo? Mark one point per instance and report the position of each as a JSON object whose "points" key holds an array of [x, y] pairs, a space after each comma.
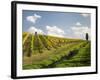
{"points": [[41, 51]]}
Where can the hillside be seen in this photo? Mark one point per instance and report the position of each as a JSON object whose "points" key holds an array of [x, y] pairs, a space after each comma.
{"points": [[42, 51]]}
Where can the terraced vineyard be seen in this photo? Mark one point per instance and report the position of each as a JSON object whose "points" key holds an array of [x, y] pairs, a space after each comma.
{"points": [[41, 51]]}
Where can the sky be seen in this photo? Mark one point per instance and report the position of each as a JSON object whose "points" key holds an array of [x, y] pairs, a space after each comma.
{"points": [[59, 24]]}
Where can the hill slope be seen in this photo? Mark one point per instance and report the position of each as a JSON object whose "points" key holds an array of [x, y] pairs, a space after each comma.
{"points": [[41, 51]]}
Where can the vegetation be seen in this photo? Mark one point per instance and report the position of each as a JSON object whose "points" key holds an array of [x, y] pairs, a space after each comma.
{"points": [[41, 51], [87, 36]]}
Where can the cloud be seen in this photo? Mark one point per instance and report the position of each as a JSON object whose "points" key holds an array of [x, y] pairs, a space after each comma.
{"points": [[33, 18], [79, 32], [32, 30], [78, 24], [55, 31], [85, 14]]}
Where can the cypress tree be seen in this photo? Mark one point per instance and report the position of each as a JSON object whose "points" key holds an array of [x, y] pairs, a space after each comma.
{"points": [[87, 36]]}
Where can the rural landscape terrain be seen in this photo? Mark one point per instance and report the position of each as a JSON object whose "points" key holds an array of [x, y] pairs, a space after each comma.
{"points": [[44, 51]]}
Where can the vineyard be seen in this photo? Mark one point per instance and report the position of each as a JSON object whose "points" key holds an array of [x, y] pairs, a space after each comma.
{"points": [[42, 51]]}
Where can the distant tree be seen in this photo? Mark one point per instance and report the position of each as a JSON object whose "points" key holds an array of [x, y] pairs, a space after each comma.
{"points": [[35, 33], [87, 36]]}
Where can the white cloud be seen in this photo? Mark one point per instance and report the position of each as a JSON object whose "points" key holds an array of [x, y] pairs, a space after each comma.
{"points": [[79, 32], [55, 31], [85, 14], [32, 30], [33, 18], [78, 24]]}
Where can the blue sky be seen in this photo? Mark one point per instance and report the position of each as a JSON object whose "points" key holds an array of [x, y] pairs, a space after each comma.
{"points": [[60, 24]]}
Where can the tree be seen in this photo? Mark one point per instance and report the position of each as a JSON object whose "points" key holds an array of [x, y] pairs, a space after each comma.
{"points": [[87, 36]]}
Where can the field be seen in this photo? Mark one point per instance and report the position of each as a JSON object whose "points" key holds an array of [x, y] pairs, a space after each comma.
{"points": [[42, 51]]}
